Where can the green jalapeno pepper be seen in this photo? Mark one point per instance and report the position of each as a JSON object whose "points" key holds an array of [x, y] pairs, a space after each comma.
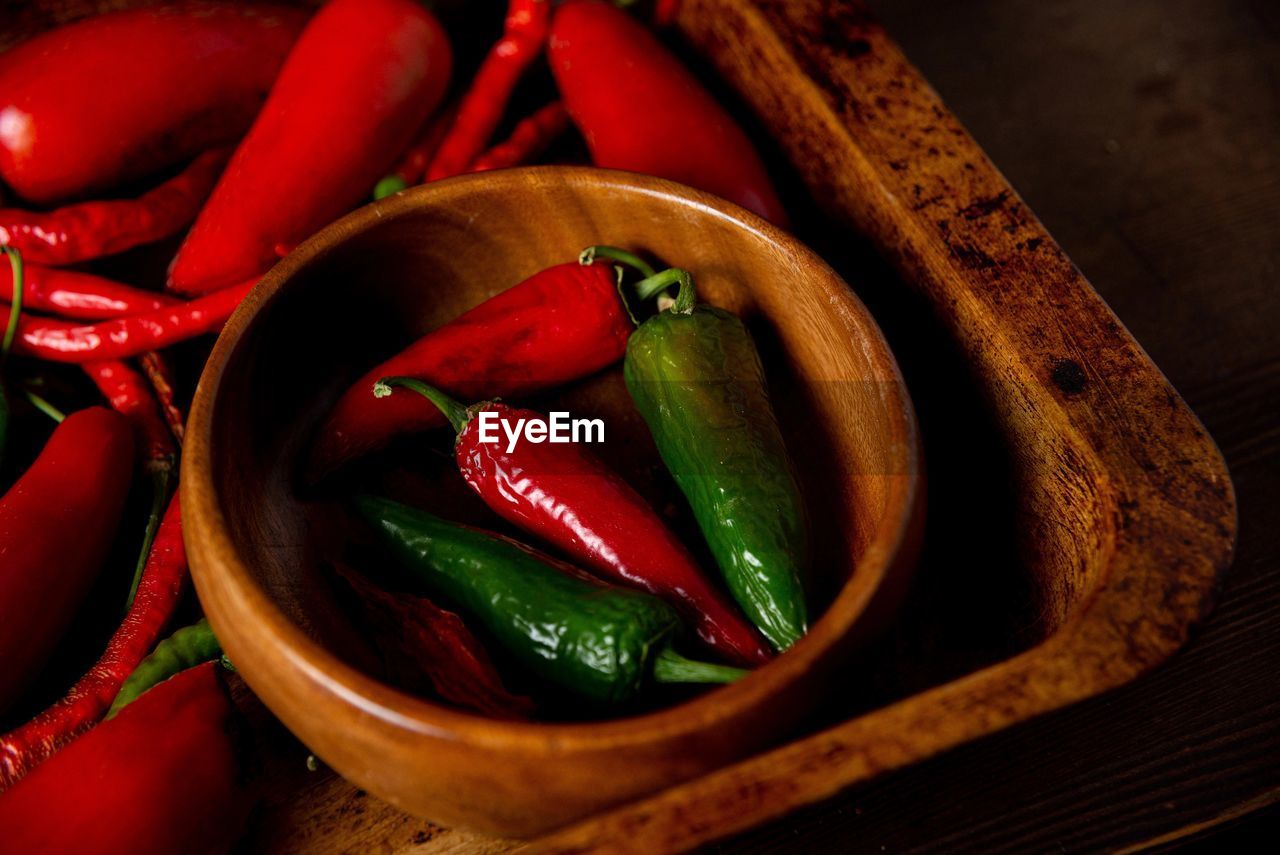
{"points": [[695, 375], [186, 648], [597, 641]]}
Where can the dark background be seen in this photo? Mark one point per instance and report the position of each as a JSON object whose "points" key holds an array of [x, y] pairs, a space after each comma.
{"points": [[1146, 135]]}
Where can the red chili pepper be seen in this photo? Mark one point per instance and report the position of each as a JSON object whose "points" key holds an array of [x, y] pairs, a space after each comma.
{"points": [[641, 110], [568, 497], [160, 374], [90, 230], [129, 394], [362, 79], [524, 33], [664, 12], [420, 639], [412, 165], [528, 139], [83, 296], [88, 106], [163, 776], [122, 338], [558, 325], [56, 525], [24, 747]]}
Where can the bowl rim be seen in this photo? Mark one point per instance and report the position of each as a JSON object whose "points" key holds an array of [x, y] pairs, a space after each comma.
{"points": [[216, 562]]}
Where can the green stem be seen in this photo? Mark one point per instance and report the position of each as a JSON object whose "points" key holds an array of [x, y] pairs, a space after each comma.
{"points": [[44, 406], [671, 667], [455, 412], [15, 309], [659, 282], [613, 253], [186, 648], [160, 477]]}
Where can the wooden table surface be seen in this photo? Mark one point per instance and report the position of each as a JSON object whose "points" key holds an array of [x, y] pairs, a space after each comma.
{"points": [[1146, 135]]}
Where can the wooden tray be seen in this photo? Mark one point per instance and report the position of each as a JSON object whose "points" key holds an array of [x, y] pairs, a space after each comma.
{"points": [[1080, 517]]}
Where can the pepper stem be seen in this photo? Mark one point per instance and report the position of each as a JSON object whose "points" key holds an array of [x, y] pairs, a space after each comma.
{"points": [[15, 308], [659, 282], [44, 406], [613, 253], [671, 667], [455, 412]]}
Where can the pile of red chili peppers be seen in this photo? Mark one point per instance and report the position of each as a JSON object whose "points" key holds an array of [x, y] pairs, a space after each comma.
{"points": [[221, 136]]}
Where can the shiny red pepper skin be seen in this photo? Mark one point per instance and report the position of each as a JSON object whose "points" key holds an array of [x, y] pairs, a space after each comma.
{"points": [[28, 745], [88, 106], [561, 324], [162, 777], [568, 497], [122, 338], [82, 296], [641, 110], [528, 139], [56, 525], [362, 79], [129, 394], [89, 230]]}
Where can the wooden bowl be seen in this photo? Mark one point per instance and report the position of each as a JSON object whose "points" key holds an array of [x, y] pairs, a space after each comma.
{"points": [[368, 285]]}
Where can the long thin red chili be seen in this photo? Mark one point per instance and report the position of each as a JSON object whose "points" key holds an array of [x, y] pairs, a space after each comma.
{"points": [[528, 139], [122, 338], [22, 748], [80, 296], [481, 109], [89, 230], [412, 166], [129, 394], [160, 374]]}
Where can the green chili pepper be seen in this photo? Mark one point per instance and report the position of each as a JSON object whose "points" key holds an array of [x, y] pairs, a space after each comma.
{"points": [[186, 648], [597, 641], [694, 374]]}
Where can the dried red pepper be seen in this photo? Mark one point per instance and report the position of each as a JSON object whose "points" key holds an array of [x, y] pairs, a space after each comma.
{"points": [[89, 230], [641, 110], [362, 79], [166, 775], [91, 105], [24, 747], [481, 109], [412, 166], [160, 374], [56, 525], [568, 497], [528, 139], [82, 296], [420, 639], [122, 338], [558, 325]]}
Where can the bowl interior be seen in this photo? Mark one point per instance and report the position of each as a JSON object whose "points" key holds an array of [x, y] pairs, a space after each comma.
{"points": [[372, 283]]}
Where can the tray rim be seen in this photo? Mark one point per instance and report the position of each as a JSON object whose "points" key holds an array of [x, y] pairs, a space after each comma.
{"points": [[1179, 581]]}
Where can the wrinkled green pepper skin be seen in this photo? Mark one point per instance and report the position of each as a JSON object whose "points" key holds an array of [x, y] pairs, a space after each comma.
{"points": [[593, 640], [697, 380]]}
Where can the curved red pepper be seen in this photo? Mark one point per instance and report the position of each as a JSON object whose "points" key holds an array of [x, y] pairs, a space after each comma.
{"points": [[89, 230], [528, 139], [567, 496], [558, 325], [56, 525], [641, 110], [88, 106], [71, 294], [24, 747], [163, 776], [362, 79], [122, 338]]}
